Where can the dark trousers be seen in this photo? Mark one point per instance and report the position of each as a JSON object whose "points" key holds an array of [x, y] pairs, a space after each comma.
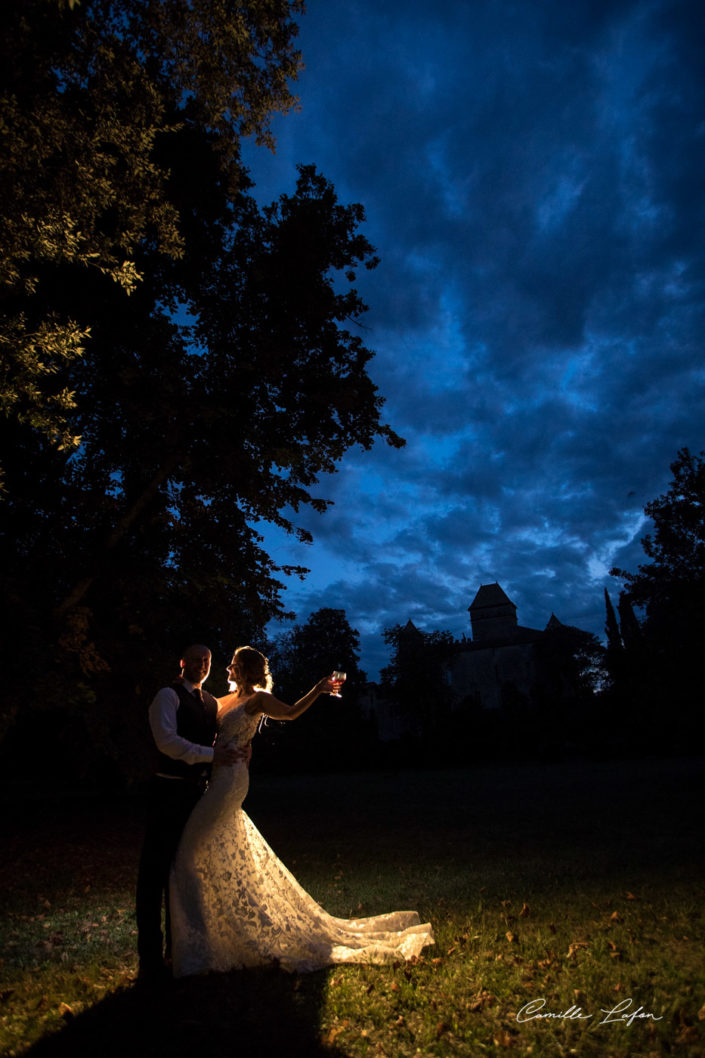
{"points": [[171, 802]]}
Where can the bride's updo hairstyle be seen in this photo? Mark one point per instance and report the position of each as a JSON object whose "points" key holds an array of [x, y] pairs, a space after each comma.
{"points": [[251, 669]]}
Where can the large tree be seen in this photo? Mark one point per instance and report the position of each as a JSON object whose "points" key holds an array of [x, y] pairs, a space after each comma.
{"points": [[416, 677], [220, 377], [88, 92], [325, 642], [670, 589], [334, 733]]}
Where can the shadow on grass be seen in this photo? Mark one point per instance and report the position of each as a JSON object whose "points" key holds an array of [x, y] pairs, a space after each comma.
{"points": [[253, 1012]]}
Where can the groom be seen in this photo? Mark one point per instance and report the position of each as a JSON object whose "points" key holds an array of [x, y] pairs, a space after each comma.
{"points": [[182, 719]]}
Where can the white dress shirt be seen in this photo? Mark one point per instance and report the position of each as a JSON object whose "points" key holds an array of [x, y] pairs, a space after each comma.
{"points": [[162, 721]]}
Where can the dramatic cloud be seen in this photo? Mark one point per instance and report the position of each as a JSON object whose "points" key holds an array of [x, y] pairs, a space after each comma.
{"points": [[532, 176]]}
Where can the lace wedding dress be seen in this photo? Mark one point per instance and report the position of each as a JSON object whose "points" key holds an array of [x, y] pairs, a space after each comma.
{"points": [[234, 904]]}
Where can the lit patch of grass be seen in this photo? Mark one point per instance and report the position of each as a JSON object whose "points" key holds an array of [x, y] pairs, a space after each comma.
{"points": [[579, 885]]}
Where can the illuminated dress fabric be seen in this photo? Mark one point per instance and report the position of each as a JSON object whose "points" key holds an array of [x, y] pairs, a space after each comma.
{"points": [[234, 904]]}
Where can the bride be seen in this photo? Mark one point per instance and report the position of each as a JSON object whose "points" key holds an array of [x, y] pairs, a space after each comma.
{"points": [[233, 903]]}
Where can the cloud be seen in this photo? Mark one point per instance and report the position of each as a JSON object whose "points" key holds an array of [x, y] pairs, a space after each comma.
{"points": [[532, 181]]}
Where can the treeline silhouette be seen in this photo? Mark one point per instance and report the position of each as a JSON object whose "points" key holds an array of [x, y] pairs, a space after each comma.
{"points": [[639, 694]]}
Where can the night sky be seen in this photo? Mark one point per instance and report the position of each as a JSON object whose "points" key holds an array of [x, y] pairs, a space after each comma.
{"points": [[532, 174]]}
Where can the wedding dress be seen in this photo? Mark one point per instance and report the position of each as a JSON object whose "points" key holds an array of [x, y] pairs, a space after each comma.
{"points": [[234, 904]]}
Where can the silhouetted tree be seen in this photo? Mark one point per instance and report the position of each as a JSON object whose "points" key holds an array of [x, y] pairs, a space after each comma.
{"points": [[334, 734], [571, 669], [416, 680], [91, 96], [308, 651], [218, 379], [614, 638], [671, 590]]}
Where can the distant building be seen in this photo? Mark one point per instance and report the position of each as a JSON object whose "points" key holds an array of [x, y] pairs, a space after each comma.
{"points": [[504, 665], [498, 667]]}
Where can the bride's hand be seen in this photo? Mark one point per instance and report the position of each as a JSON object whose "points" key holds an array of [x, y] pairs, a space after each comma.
{"points": [[325, 686]]}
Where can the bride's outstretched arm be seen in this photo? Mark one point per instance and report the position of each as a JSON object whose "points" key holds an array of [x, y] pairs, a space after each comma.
{"points": [[263, 702]]}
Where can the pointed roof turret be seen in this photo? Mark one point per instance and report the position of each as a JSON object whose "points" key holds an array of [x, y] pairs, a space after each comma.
{"points": [[493, 615], [490, 595]]}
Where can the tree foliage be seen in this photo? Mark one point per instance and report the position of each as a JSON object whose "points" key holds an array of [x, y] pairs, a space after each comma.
{"points": [[416, 678], [676, 548], [333, 734], [308, 651], [571, 667], [662, 653], [179, 363], [87, 92]]}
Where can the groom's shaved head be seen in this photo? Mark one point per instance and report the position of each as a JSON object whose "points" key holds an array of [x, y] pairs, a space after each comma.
{"points": [[196, 663], [195, 650]]}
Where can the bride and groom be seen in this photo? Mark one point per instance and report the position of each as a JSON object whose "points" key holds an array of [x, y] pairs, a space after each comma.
{"points": [[231, 903]]}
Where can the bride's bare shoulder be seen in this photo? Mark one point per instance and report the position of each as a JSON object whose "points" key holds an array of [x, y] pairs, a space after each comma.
{"points": [[256, 703], [226, 702]]}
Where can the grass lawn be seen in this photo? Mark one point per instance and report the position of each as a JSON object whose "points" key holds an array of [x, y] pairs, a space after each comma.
{"points": [[579, 884]]}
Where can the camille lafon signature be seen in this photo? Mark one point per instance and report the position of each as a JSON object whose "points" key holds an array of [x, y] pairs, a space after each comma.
{"points": [[623, 1013]]}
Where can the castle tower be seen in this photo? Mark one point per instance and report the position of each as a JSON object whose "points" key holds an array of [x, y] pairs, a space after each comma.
{"points": [[410, 641], [493, 615]]}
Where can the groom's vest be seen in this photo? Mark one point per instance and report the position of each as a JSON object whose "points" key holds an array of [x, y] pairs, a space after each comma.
{"points": [[195, 721]]}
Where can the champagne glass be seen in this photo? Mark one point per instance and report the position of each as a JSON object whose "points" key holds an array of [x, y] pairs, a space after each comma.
{"points": [[338, 678]]}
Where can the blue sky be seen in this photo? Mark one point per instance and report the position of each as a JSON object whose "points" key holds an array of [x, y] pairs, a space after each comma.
{"points": [[532, 175]]}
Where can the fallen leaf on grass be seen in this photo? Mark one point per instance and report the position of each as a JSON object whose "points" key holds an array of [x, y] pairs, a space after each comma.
{"points": [[482, 999], [513, 938], [575, 946], [503, 1039], [614, 917], [441, 1027], [630, 896], [688, 1034], [395, 987], [701, 1014], [65, 1011], [524, 913]]}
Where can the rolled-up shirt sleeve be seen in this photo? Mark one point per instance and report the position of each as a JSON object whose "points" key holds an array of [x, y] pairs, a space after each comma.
{"points": [[162, 721]]}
